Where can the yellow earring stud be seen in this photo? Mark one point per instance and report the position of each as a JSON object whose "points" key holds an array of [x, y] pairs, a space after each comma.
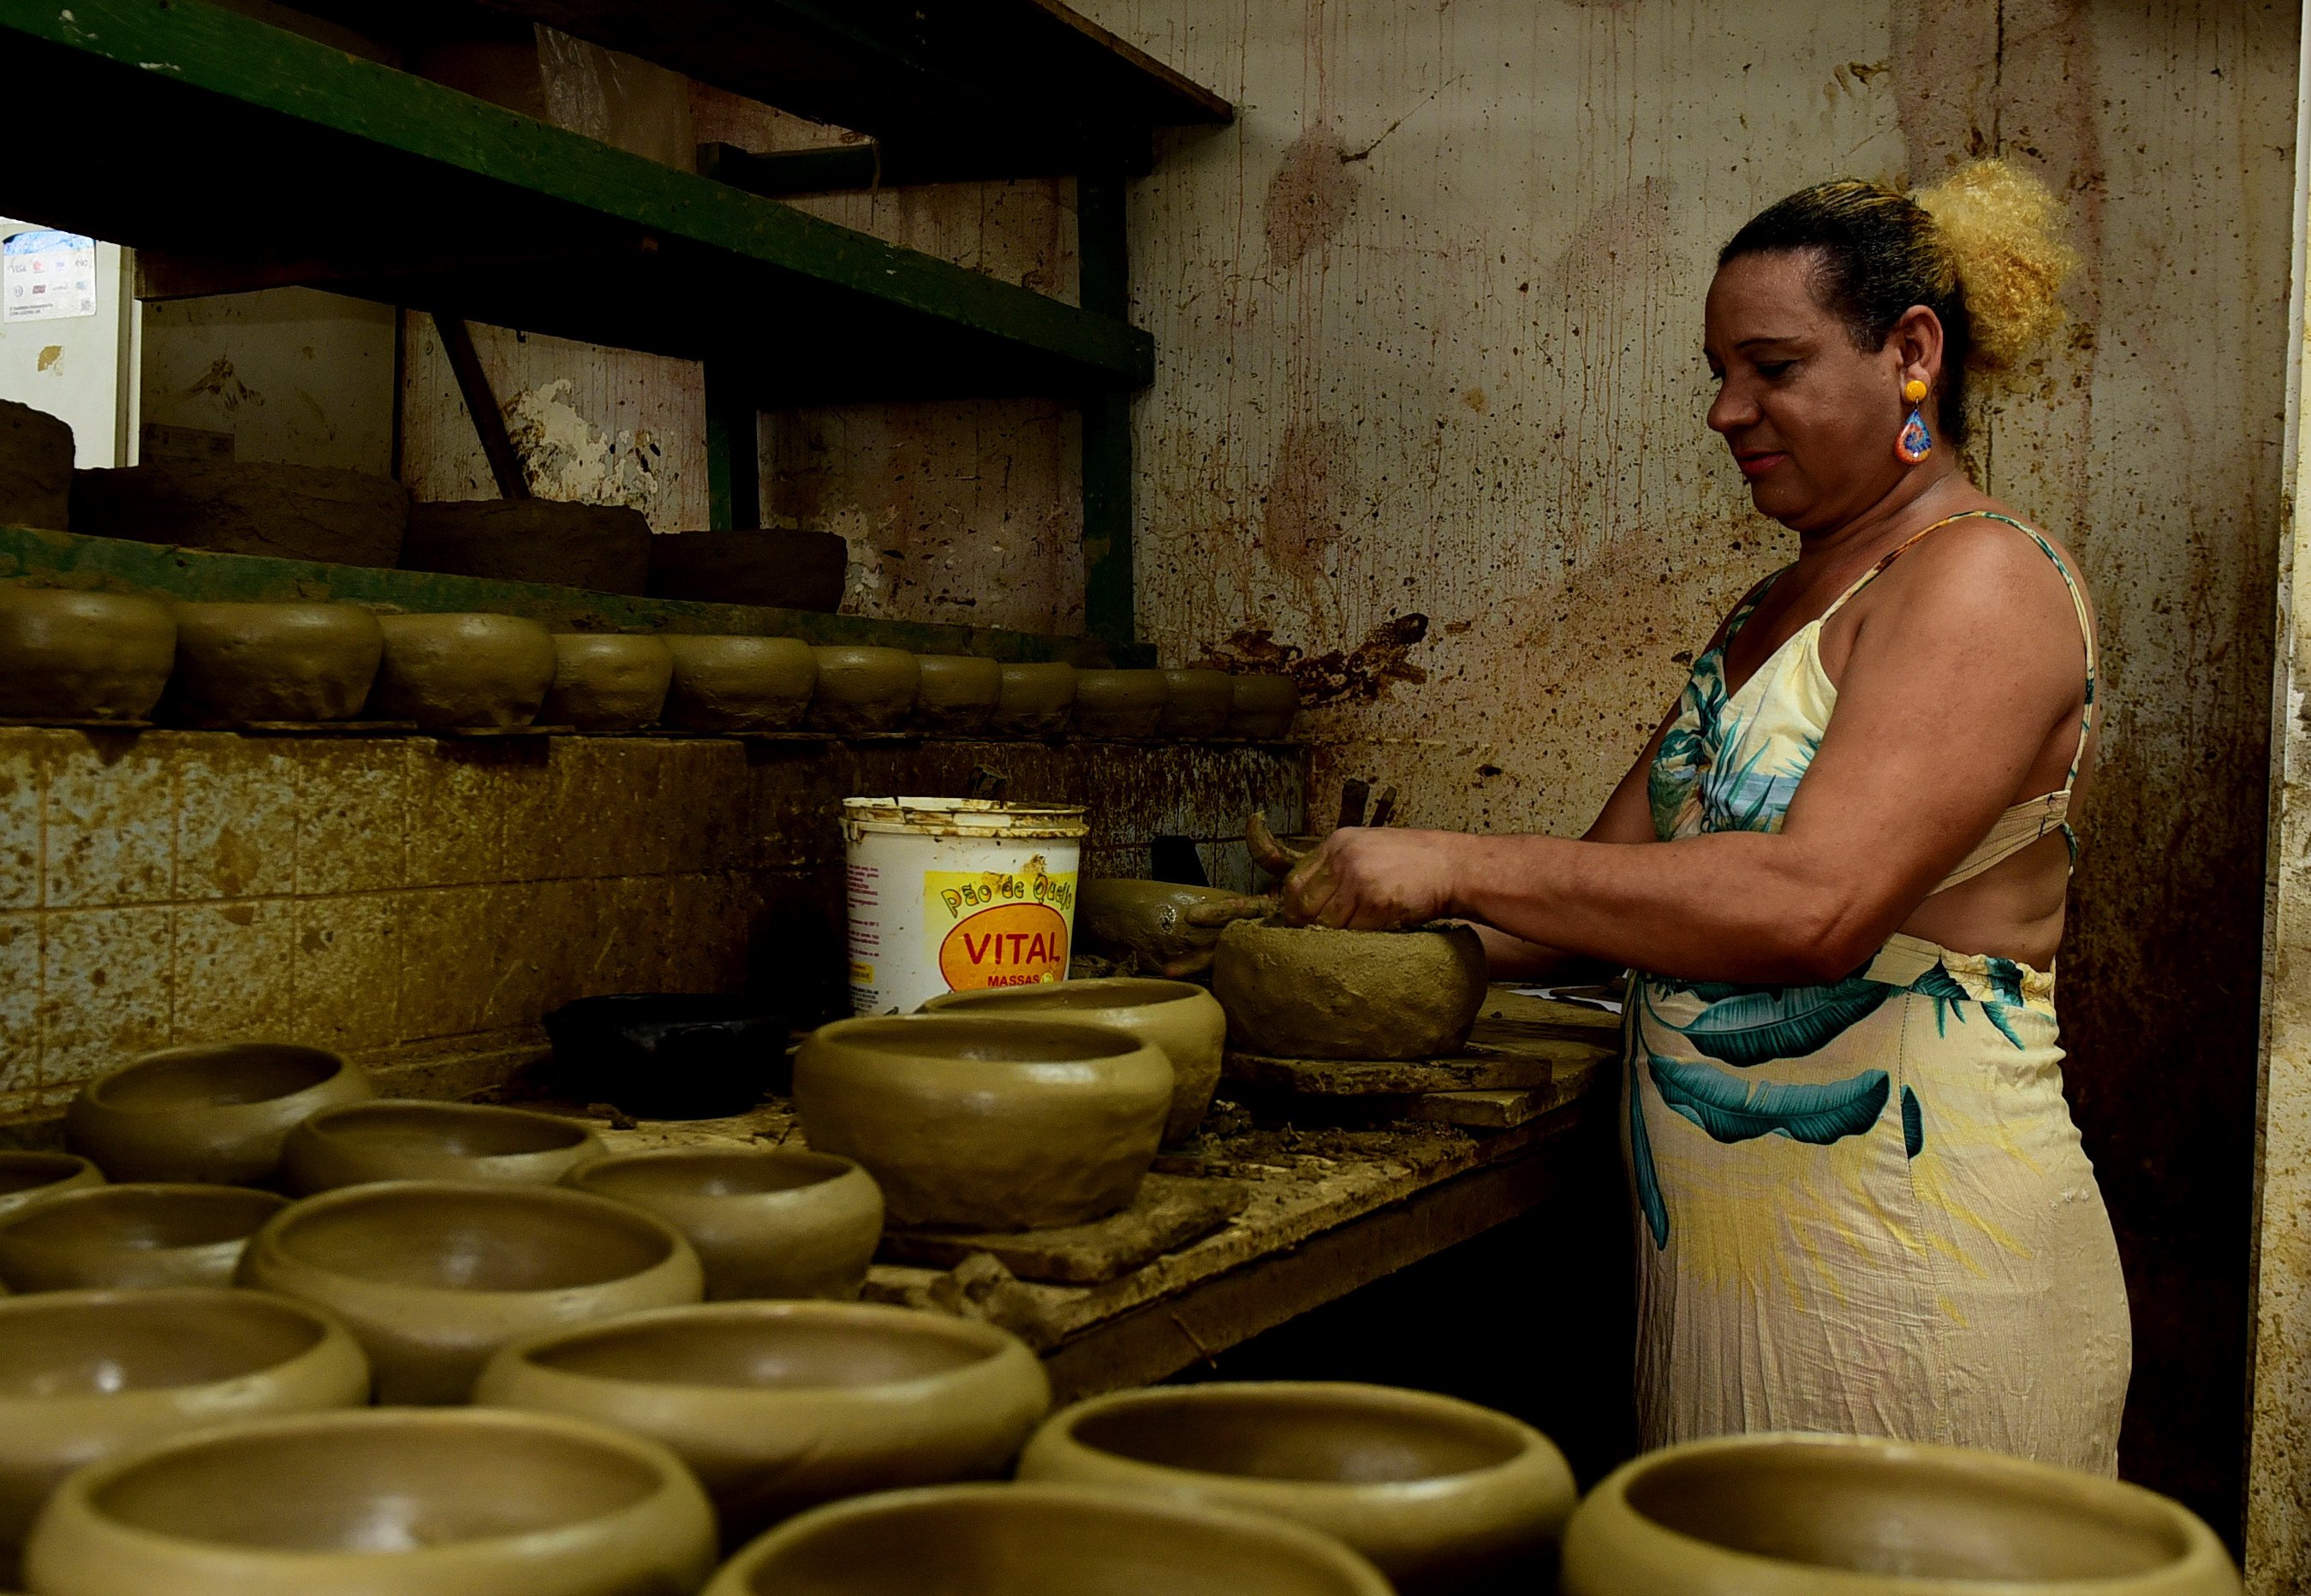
{"points": [[1913, 390]]}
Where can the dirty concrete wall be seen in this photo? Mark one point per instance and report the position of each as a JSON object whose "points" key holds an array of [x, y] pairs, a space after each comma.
{"points": [[294, 376]]}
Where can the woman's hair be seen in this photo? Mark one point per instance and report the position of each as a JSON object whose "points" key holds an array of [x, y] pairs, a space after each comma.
{"points": [[1980, 249]]}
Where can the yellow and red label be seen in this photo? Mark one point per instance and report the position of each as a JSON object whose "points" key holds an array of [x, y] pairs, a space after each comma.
{"points": [[1000, 928]]}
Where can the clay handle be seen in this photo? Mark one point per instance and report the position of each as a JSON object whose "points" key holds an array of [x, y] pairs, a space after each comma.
{"points": [[1220, 912], [1267, 852]]}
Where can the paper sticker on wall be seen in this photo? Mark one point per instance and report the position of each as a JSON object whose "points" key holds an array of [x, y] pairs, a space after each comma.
{"points": [[47, 275]]}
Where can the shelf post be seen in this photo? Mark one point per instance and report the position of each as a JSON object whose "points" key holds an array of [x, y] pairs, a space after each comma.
{"points": [[1102, 271]]}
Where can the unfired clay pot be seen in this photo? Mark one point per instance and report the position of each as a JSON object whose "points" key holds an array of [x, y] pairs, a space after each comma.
{"points": [[1440, 1495], [998, 1124], [1121, 704], [29, 1177], [213, 1112], [1197, 703], [1147, 919], [86, 1373], [1310, 993], [1037, 699], [1040, 1540], [247, 507], [863, 689], [740, 684], [242, 662], [380, 1502], [766, 1221], [607, 683], [957, 694], [1178, 1016], [450, 670], [1264, 705], [406, 1138], [132, 1236], [432, 1277], [782, 1406], [70, 655], [1841, 1515]]}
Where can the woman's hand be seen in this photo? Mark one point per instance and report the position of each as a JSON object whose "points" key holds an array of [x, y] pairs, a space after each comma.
{"points": [[1372, 879]]}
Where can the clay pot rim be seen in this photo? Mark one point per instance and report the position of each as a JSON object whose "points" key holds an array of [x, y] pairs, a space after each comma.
{"points": [[331, 1341], [322, 1123], [20, 1227], [71, 1164], [833, 1167], [1156, 993], [99, 1092], [1090, 1044]]}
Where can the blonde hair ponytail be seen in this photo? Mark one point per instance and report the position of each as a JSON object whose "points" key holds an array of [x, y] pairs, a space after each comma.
{"points": [[2000, 227]]}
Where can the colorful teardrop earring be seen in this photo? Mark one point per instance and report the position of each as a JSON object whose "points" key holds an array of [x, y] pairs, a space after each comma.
{"points": [[1913, 443]]}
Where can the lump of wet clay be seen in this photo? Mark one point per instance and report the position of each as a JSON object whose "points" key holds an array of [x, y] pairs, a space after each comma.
{"points": [[473, 670], [36, 467], [241, 662], [233, 507], [71, 656], [781, 568], [1310, 993], [603, 548]]}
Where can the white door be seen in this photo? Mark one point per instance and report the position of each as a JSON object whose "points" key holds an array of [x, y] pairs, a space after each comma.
{"points": [[68, 330]]}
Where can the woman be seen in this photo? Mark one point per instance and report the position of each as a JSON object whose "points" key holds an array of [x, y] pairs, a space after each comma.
{"points": [[1862, 1206]]}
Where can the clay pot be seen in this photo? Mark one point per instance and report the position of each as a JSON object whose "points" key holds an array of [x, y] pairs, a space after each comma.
{"points": [[766, 1221], [30, 1177], [863, 689], [462, 670], [36, 467], [604, 548], [1037, 701], [1178, 1016], [1040, 1540], [215, 1113], [243, 507], [1842, 1515], [1310, 993], [782, 1406], [69, 656], [242, 662], [957, 695], [406, 1138], [604, 683], [1121, 704], [766, 566], [86, 1373], [1264, 705], [380, 1504], [740, 684], [132, 1236], [1440, 1495], [1145, 920], [998, 1124], [432, 1277], [1197, 703]]}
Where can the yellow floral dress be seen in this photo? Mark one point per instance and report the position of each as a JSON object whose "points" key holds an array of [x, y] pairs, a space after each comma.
{"points": [[1861, 1205]]}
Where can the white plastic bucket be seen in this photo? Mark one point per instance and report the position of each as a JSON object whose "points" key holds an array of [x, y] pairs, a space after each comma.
{"points": [[954, 895]]}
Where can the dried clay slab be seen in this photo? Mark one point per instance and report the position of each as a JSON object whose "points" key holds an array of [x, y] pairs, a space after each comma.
{"points": [[1171, 1211]]}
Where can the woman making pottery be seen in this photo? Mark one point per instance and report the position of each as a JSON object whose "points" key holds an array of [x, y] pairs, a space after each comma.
{"points": [[1836, 874]]}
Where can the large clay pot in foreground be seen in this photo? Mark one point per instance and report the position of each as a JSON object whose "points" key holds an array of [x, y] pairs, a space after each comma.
{"points": [[957, 694], [213, 1112], [1842, 1515], [740, 684], [1121, 704], [241, 662], [782, 1406], [462, 670], [1036, 699], [1178, 1016], [408, 1138], [247, 507], [1197, 703], [380, 1502], [1311, 992], [1263, 705], [1040, 1540], [27, 1177], [1440, 1495], [70, 655], [767, 1222], [991, 1124], [132, 1236], [603, 682], [863, 689], [604, 548]]}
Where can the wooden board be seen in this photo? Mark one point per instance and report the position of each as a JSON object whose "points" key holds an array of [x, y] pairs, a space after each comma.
{"points": [[1519, 1043], [1170, 1212]]}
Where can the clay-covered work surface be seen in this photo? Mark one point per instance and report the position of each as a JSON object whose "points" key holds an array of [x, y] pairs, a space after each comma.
{"points": [[409, 1140], [603, 548], [1309, 992], [1522, 1043], [132, 1236], [237, 506], [239, 662], [36, 467], [72, 656], [461, 670], [606, 683], [214, 1112], [1169, 1212]]}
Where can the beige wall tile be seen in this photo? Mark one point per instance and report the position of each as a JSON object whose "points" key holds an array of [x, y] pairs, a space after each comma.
{"points": [[236, 819], [110, 806], [351, 814], [20, 1001], [105, 988], [455, 814], [234, 967], [346, 974], [20, 764], [448, 961], [535, 823]]}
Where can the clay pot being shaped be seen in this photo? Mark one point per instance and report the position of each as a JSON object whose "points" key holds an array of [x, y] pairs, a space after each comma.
{"points": [[1037, 699], [1842, 1515], [863, 689], [1147, 921], [407, 1138], [607, 683], [380, 1502], [433, 1277], [1197, 703], [462, 670], [241, 662], [30, 1177], [998, 1124], [957, 694], [766, 1221], [782, 1406], [215, 1112], [740, 684], [1040, 1540], [1311, 992], [1177, 1016], [1263, 705], [1440, 1495], [66, 656], [131, 1236], [85, 1374], [1121, 704]]}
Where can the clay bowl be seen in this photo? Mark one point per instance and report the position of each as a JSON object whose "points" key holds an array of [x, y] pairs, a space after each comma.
{"points": [[468, 670], [669, 1055], [782, 1406], [215, 1113], [957, 694], [996, 1124], [432, 1277], [1197, 703], [740, 684], [132, 1236], [1310, 993], [1178, 1016], [30, 1177], [470, 1503], [1439, 1494], [405, 1138], [241, 662], [1839, 1516], [1036, 699], [1040, 1540], [766, 1221], [607, 683], [86, 1373], [1146, 920], [1263, 705], [863, 689], [1121, 704], [69, 656]]}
